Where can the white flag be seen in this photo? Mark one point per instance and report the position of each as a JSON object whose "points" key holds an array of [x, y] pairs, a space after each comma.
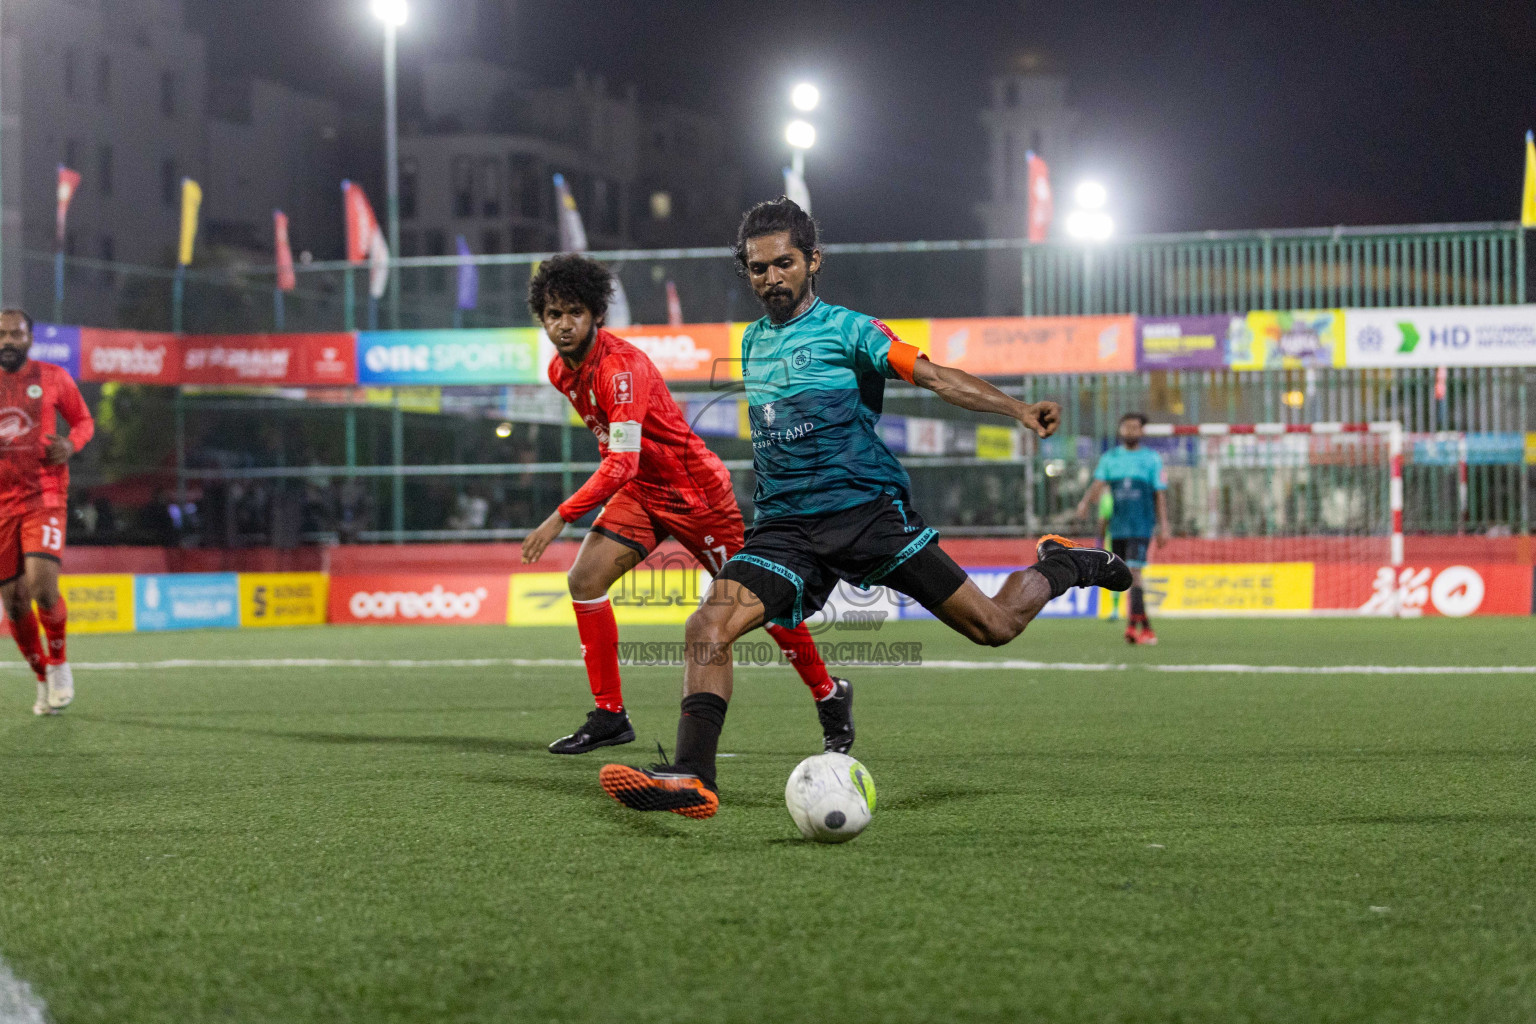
{"points": [[794, 188], [378, 264], [573, 238]]}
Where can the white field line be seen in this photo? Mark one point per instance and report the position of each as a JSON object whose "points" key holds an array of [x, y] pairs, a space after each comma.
{"points": [[1007, 664], [18, 1003]]}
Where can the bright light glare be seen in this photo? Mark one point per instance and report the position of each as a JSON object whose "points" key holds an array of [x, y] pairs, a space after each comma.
{"points": [[1090, 225], [800, 134], [390, 12], [503, 430], [805, 96], [1090, 195], [1295, 399]]}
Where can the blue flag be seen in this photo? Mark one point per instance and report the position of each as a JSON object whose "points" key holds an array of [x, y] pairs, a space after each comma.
{"points": [[469, 278]]}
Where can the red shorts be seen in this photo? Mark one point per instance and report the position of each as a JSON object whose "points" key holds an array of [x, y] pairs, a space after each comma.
{"points": [[711, 536], [38, 533]]}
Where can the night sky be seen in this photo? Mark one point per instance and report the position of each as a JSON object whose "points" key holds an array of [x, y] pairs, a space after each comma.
{"points": [[1196, 115]]}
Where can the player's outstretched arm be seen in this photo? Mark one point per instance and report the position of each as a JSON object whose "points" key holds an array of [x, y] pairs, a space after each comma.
{"points": [[961, 389]]}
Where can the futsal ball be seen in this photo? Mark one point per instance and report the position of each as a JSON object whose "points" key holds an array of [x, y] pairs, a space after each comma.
{"points": [[831, 797]]}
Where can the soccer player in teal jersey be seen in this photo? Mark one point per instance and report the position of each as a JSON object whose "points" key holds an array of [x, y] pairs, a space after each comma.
{"points": [[1134, 476], [832, 502]]}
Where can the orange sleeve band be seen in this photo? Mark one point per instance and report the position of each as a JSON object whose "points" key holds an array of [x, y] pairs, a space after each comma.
{"points": [[903, 359]]}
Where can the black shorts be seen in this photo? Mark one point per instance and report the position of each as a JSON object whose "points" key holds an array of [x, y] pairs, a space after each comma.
{"points": [[793, 563], [1133, 550]]}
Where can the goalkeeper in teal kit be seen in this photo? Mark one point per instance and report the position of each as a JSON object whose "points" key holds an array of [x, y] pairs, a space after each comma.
{"points": [[832, 502]]}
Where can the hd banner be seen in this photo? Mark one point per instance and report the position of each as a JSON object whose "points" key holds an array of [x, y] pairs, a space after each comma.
{"points": [[1433, 337]]}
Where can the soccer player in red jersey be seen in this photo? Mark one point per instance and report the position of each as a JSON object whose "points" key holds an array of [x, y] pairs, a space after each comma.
{"points": [[658, 480], [34, 491]]}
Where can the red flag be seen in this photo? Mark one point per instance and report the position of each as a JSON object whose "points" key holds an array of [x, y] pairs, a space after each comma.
{"points": [[361, 223], [287, 280], [1041, 207], [69, 184]]}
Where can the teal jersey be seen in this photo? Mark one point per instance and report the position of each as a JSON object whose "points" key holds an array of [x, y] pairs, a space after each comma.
{"points": [[1134, 475], [815, 386]]}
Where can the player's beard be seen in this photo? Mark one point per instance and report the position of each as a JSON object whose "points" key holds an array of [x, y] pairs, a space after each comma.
{"points": [[12, 359], [781, 303]]}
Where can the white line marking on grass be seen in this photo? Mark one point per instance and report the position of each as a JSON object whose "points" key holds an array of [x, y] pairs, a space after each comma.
{"points": [[18, 1003], [1004, 664]]}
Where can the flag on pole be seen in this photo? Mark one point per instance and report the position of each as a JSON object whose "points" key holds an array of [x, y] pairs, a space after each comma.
{"points": [[674, 306], [1528, 200], [287, 280], [469, 277], [69, 184], [191, 203], [573, 238], [365, 239], [1041, 206], [796, 190]]}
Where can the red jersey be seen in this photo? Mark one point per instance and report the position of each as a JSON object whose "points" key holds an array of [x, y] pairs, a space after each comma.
{"points": [[31, 400], [647, 445]]}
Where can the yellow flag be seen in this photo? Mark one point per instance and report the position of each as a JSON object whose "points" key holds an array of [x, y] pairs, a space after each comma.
{"points": [[191, 202], [1528, 201]]}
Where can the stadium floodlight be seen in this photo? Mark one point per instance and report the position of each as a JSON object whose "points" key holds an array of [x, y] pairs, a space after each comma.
{"points": [[504, 430], [391, 12], [805, 97], [800, 134], [1090, 225], [1090, 195]]}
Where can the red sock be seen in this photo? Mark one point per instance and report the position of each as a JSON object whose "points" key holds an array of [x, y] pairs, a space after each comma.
{"points": [[29, 642], [801, 651], [54, 626], [600, 650]]}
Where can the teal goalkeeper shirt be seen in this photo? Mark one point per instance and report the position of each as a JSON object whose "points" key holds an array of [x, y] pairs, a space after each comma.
{"points": [[1134, 475], [815, 386]]}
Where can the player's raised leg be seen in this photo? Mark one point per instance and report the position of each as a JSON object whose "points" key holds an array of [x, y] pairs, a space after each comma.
{"points": [[687, 785]]}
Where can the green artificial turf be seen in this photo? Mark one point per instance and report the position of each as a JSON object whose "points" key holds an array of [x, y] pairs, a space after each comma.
{"points": [[394, 844]]}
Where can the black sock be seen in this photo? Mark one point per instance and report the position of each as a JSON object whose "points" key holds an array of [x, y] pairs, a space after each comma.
{"points": [[1138, 605], [1059, 571], [698, 734]]}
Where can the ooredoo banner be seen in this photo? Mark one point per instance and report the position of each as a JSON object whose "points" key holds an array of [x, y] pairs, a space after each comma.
{"points": [[1011, 346], [419, 599], [131, 357], [1415, 590], [295, 360], [1450, 336]]}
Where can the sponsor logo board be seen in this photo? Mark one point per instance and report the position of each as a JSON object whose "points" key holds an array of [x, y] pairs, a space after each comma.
{"points": [[418, 599], [52, 343], [131, 357], [283, 598], [1286, 340], [656, 593], [1414, 590], [1258, 588], [495, 356], [279, 359], [1040, 344], [1183, 343], [99, 603], [685, 351], [193, 600], [1441, 336]]}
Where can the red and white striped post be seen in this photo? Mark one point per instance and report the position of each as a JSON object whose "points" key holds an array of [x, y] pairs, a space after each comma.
{"points": [[1392, 430]]}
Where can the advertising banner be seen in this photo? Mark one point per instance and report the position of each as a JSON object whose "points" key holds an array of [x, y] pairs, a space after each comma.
{"points": [[193, 600], [1011, 346], [57, 345], [653, 594], [99, 604], [1183, 342], [297, 360], [1441, 336], [283, 598], [131, 357], [495, 356], [418, 599], [687, 352], [1287, 340], [1415, 590], [1236, 589]]}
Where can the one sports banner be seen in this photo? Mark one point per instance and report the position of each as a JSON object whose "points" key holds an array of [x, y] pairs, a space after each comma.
{"points": [[287, 279], [191, 204], [1010, 346], [365, 239], [488, 356], [1441, 336], [573, 238], [69, 184], [1042, 206]]}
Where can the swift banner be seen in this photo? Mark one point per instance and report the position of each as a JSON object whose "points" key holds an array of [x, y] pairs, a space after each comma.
{"points": [[494, 356], [1456, 336], [1183, 342], [295, 360], [1011, 346]]}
